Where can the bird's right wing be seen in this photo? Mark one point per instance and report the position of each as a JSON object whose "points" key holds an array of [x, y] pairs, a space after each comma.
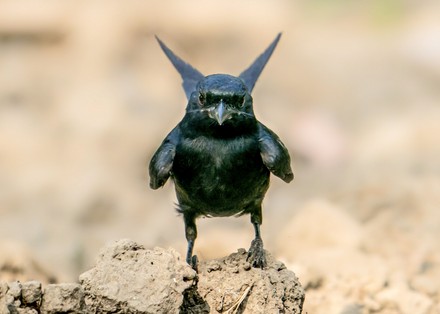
{"points": [[274, 154], [162, 162]]}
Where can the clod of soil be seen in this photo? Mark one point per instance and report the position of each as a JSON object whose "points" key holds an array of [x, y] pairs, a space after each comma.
{"points": [[231, 285], [128, 278]]}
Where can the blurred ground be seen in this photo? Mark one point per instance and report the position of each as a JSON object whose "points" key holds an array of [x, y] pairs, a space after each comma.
{"points": [[353, 89]]}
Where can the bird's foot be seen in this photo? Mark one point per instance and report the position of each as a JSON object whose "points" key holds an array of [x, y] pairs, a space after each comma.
{"points": [[193, 261], [256, 255]]}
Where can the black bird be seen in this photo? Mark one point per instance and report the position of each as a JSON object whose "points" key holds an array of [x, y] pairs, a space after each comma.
{"points": [[220, 156]]}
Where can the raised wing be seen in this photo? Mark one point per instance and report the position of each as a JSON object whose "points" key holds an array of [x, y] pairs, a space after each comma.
{"points": [[251, 74], [189, 74], [274, 154], [162, 162]]}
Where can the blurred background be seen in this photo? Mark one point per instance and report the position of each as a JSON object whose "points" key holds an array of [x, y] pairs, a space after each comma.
{"points": [[353, 89]]}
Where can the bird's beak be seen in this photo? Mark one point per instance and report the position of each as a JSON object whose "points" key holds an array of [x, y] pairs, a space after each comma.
{"points": [[221, 113]]}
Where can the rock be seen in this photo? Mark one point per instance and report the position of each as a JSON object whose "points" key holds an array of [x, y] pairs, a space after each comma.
{"points": [[63, 298], [228, 283], [19, 298], [128, 278], [14, 289], [31, 292]]}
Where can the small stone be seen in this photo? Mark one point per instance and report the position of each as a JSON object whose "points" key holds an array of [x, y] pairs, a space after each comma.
{"points": [[14, 289], [9, 299], [279, 265], [31, 292], [241, 251], [214, 266], [64, 298], [247, 266]]}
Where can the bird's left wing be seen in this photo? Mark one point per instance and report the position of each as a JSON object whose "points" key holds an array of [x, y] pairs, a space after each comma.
{"points": [[162, 162], [274, 154]]}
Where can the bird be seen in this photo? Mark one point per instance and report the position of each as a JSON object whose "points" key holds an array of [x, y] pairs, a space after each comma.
{"points": [[219, 156]]}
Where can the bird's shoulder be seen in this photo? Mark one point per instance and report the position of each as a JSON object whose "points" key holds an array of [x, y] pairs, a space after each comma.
{"points": [[162, 161], [274, 153]]}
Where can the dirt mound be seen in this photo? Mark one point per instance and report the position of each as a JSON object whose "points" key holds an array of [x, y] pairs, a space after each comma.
{"points": [[229, 283], [128, 278]]}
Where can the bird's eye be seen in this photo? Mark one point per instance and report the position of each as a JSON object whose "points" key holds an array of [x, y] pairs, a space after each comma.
{"points": [[201, 99]]}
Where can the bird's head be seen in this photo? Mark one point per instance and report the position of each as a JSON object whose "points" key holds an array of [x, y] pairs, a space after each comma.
{"points": [[221, 98], [220, 101]]}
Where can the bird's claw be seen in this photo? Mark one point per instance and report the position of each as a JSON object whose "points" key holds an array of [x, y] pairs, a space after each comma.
{"points": [[256, 255], [194, 261]]}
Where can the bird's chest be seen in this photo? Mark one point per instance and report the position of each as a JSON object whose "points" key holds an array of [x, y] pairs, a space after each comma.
{"points": [[209, 166], [216, 157]]}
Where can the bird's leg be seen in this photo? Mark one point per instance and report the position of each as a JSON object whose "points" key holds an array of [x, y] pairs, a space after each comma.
{"points": [[256, 254], [191, 235]]}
